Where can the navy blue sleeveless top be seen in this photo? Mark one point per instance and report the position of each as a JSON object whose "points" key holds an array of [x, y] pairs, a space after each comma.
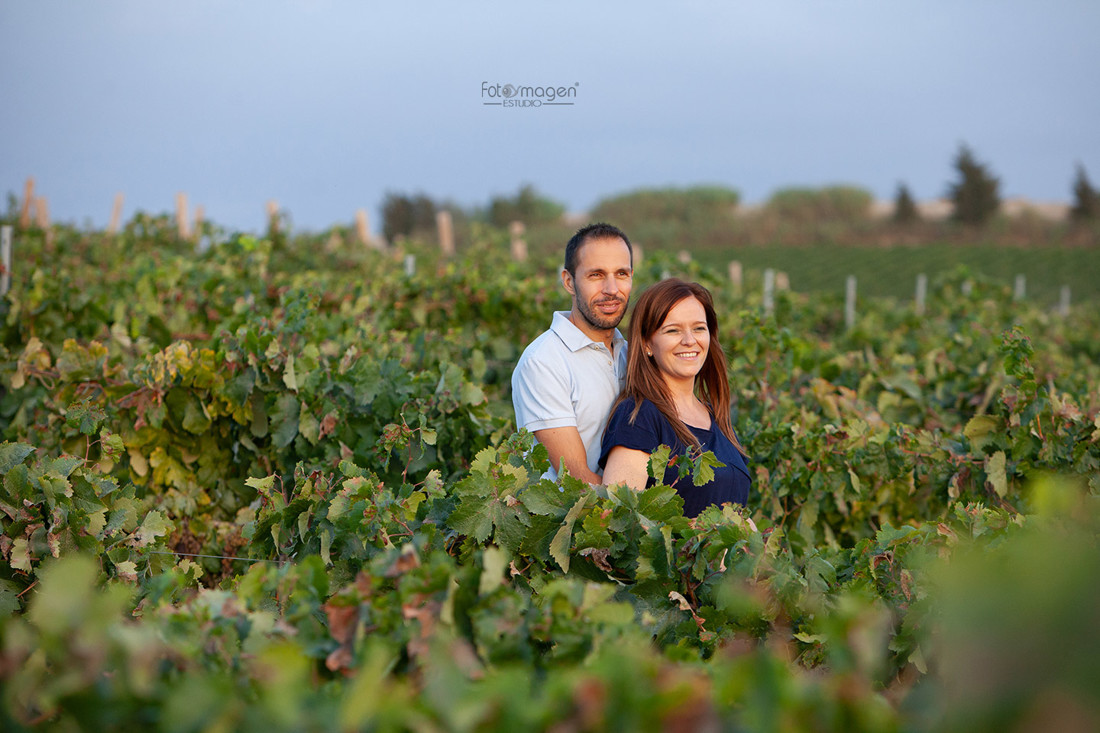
{"points": [[651, 429]]}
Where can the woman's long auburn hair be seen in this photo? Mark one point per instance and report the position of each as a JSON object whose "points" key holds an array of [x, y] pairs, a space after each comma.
{"points": [[643, 377]]}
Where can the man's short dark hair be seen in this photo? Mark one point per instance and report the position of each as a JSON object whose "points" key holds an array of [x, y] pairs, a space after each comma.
{"points": [[599, 230]]}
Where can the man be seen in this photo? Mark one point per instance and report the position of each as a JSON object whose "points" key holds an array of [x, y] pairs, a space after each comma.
{"points": [[568, 377]]}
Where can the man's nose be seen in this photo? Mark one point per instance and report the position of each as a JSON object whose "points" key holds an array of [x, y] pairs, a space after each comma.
{"points": [[609, 285]]}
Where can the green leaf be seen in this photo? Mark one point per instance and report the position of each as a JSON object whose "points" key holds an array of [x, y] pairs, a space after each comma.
{"points": [[13, 454], [240, 387], [9, 598], [473, 518], [494, 561], [980, 430], [857, 486], [20, 555], [64, 465], [546, 498], [154, 525], [563, 539], [995, 472], [703, 467], [658, 461], [195, 420], [660, 503], [290, 379], [308, 425], [285, 419], [259, 415]]}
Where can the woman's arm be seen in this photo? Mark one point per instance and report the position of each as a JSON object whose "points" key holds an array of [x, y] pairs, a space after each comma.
{"points": [[627, 465]]}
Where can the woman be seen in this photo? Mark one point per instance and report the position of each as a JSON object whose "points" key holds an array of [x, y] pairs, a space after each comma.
{"points": [[676, 394]]}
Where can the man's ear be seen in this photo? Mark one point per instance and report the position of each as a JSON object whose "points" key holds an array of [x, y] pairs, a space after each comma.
{"points": [[567, 282]]}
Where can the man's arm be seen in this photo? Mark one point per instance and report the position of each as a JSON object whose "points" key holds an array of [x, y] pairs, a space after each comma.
{"points": [[564, 446]]}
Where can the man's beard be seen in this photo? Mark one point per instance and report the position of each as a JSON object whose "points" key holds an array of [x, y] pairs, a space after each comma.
{"points": [[598, 320]]}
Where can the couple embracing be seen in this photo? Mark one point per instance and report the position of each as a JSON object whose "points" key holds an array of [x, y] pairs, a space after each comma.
{"points": [[600, 403]]}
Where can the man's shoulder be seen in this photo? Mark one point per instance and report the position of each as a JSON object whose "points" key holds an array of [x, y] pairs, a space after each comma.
{"points": [[547, 346]]}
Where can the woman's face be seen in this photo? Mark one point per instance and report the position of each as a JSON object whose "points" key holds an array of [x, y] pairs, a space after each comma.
{"points": [[680, 345]]}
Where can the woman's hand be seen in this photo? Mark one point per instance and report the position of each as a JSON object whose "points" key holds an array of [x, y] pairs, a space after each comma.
{"points": [[626, 466]]}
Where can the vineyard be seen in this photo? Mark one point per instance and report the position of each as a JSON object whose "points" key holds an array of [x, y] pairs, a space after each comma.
{"points": [[276, 485]]}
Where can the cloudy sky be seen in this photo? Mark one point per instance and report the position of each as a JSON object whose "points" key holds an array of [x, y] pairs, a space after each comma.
{"points": [[326, 105]]}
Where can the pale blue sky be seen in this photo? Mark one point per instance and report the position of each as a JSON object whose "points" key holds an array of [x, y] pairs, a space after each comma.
{"points": [[326, 105]]}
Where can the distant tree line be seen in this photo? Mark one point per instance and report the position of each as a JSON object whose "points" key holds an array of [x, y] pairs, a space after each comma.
{"points": [[974, 196]]}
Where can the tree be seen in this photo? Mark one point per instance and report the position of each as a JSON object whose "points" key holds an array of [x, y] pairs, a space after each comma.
{"points": [[905, 209], [975, 195], [404, 215], [1086, 204], [527, 206]]}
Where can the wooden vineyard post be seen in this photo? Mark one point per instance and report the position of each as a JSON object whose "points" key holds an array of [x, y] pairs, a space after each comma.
{"points": [[42, 215], [967, 288], [28, 203], [362, 230], [922, 293], [272, 216], [769, 291], [736, 277], [518, 244], [850, 302], [116, 215], [410, 265], [1020, 291], [636, 255], [200, 218], [5, 259], [1063, 301], [683, 257], [782, 282], [446, 232], [183, 225]]}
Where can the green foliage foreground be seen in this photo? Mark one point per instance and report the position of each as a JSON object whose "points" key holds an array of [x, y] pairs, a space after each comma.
{"points": [[241, 493]]}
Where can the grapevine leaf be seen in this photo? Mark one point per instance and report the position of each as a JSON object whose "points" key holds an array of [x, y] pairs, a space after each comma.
{"points": [[559, 546], [285, 419], [981, 430], [259, 415], [546, 498], [13, 454], [21, 555], [9, 598], [494, 561], [995, 471], [658, 461], [536, 541], [195, 420], [154, 525], [308, 425], [290, 378], [703, 467], [473, 518], [511, 527], [660, 503], [64, 465]]}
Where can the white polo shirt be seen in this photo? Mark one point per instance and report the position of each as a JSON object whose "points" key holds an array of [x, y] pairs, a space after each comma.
{"points": [[566, 379]]}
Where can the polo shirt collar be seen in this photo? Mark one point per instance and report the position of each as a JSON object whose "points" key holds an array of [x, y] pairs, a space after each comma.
{"points": [[574, 338]]}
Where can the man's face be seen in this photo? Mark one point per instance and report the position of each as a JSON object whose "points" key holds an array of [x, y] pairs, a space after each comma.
{"points": [[602, 284]]}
